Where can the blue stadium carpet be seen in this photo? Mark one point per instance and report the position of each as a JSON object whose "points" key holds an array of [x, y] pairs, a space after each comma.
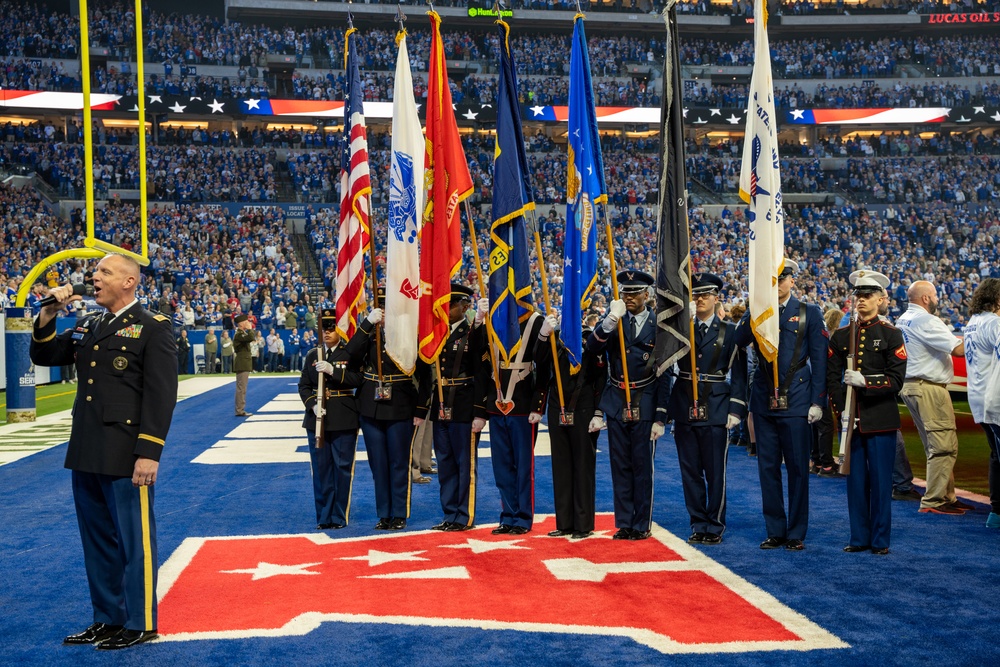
{"points": [[245, 579]]}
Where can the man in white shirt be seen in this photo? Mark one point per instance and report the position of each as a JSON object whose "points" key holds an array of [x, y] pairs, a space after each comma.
{"points": [[930, 345], [982, 361]]}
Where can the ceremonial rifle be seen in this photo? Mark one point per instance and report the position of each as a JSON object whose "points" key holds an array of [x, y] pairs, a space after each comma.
{"points": [[850, 403]]}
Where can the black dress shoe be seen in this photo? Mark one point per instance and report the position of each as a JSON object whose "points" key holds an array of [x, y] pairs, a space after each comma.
{"points": [[884, 551], [622, 534], [772, 543], [336, 526], [711, 539], [580, 534], [127, 638], [795, 545], [853, 549], [640, 534], [324, 526], [502, 529], [696, 538], [459, 527], [383, 524], [559, 533], [399, 523], [444, 525], [95, 633], [518, 530]]}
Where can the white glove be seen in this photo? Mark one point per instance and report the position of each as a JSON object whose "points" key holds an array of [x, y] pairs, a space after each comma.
{"points": [[855, 379], [375, 316], [318, 411], [324, 367], [534, 418], [482, 310], [815, 414], [692, 309], [656, 431], [615, 312], [417, 421], [478, 424], [596, 424], [732, 421], [548, 325]]}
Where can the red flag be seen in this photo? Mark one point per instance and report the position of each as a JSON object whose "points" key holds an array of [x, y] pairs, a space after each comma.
{"points": [[448, 182]]}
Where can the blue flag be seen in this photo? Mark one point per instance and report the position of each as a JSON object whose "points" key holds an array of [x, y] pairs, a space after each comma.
{"points": [[510, 276], [584, 191]]}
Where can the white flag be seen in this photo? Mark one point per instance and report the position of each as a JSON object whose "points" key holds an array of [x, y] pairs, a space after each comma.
{"points": [[760, 187], [406, 194]]}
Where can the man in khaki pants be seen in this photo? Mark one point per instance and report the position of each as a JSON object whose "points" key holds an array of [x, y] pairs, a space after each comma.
{"points": [[930, 345], [242, 340]]}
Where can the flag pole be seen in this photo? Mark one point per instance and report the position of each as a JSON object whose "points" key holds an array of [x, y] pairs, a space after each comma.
{"points": [[501, 404], [548, 311]]}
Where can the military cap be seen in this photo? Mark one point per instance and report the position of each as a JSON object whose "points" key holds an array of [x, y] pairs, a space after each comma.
{"points": [[241, 318], [460, 292], [328, 316], [380, 296], [634, 281], [791, 268], [706, 283], [866, 282]]}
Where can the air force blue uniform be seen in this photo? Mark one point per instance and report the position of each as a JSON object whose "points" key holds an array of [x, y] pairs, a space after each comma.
{"points": [[702, 445], [786, 435], [630, 449]]}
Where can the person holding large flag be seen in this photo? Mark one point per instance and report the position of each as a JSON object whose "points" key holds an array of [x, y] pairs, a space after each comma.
{"points": [[789, 386], [514, 324]]}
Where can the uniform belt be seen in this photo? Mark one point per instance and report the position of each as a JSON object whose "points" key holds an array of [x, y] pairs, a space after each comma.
{"points": [[703, 377], [334, 393], [644, 382], [456, 382], [923, 381], [386, 378]]}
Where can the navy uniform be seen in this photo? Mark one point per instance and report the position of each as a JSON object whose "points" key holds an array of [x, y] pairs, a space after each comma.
{"points": [[784, 426], [387, 423], [125, 400], [455, 443], [512, 436], [574, 447], [701, 435], [632, 437], [333, 463], [880, 368]]}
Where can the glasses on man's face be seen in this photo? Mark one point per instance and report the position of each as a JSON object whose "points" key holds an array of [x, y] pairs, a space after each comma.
{"points": [[704, 295], [633, 295]]}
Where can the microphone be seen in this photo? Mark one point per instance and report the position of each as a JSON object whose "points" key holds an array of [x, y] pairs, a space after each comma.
{"points": [[80, 289]]}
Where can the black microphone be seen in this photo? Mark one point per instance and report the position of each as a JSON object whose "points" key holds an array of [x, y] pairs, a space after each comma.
{"points": [[80, 289]]}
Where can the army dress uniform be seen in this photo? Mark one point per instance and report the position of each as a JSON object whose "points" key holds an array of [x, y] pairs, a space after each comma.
{"points": [[455, 445], [630, 448], [574, 448], [783, 431], [702, 439], [512, 437], [387, 423], [125, 400], [333, 463], [881, 360]]}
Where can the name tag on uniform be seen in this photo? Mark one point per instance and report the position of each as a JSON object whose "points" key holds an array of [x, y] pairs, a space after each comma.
{"points": [[79, 333]]}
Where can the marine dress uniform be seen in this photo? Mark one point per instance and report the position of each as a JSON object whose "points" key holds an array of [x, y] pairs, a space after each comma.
{"points": [[702, 435], [574, 448], [880, 368], [512, 436], [333, 463], [630, 445], [125, 400], [387, 408], [782, 424], [455, 443]]}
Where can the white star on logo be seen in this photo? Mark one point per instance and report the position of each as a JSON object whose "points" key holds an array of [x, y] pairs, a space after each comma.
{"points": [[700, 121], [733, 119], [797, 114], [253, 104], [135, 107], [177, 108], [569, 262], [996, 116], [979, 109], [470, 114], [537, 110], [482, 546], [265, 570], [716, 112], [155, 98], [376, 557], [963, 119], [685, 112], [216, 105], [192, 99]]}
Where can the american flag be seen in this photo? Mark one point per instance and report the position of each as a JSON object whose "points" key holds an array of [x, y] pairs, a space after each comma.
{"points": [[355, 195]]}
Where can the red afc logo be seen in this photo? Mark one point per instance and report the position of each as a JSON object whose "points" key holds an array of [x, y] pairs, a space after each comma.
{"points": [[660, 592]]}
